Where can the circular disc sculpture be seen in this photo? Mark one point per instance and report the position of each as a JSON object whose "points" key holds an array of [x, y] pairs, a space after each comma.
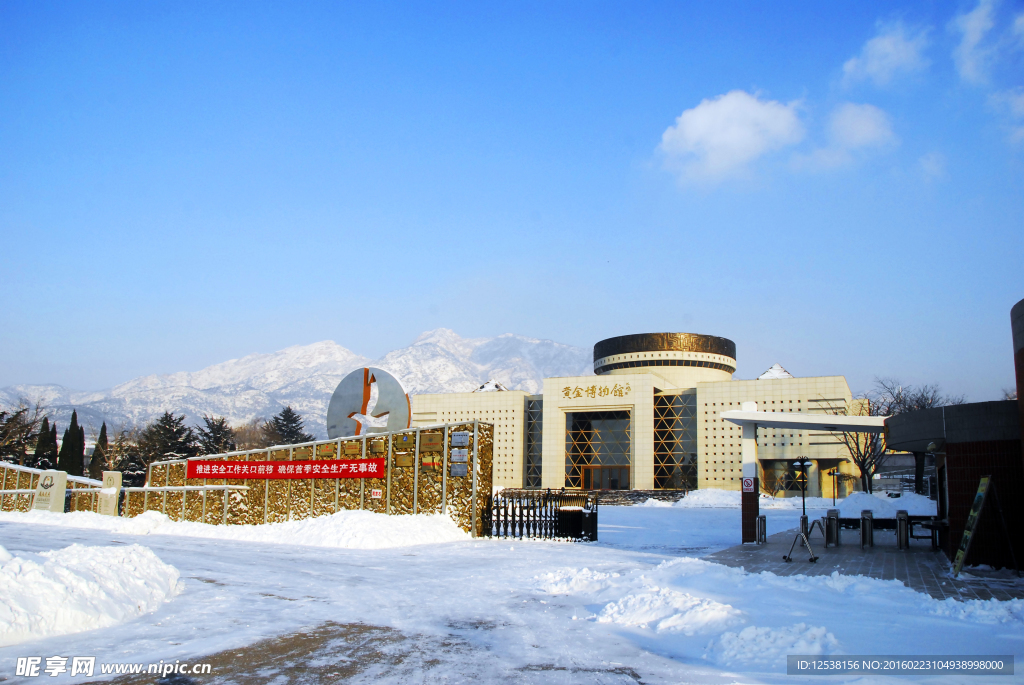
{"points": [[368, 400]]}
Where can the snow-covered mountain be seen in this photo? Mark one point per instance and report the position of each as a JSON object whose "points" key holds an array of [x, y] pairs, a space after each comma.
{"points": [[304, 376]]}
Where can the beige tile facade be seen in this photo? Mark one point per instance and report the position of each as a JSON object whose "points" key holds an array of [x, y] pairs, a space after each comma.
{"points": [[718, 442], [504, 409]]}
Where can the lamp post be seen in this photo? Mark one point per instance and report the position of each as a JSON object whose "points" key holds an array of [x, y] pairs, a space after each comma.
{"points": [[803, 463], [834, 472]]}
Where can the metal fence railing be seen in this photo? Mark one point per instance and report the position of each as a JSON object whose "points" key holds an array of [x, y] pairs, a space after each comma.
{"points": [[435, 469], [542, 514], [18, 484]]}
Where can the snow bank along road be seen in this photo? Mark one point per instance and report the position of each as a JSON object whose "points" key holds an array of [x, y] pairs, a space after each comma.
{"points": [[638, 605]]}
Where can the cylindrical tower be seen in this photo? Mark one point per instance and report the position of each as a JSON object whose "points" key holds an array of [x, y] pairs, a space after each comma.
{"points": [[683, 359]]}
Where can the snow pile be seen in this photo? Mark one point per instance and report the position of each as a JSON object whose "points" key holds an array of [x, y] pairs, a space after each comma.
{"points": [[667, 609], [850, 507], [885, 507], [348, 529], [79, 588], [568, 581], [655, 503], [711, 498], [982, 610], [770, 646]]}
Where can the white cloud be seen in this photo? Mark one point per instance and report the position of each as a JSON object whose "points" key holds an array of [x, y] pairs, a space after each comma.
{"points": [[890, 53], [720, 137], [852, 129], [1018, 28], [970, 58], [855, 126], [933, 165], [1011, 104]]}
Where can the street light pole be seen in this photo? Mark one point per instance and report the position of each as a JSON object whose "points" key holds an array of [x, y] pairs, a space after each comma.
{"points": [[803, 464]]}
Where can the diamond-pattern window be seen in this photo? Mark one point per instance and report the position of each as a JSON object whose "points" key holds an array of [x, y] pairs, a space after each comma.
{"points": [[534, 442], [597, 450], [675, 442]]}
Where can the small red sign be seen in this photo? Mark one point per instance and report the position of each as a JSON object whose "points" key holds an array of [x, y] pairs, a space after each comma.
{"points": [[748, 485], [326, 468], [376, 494]]}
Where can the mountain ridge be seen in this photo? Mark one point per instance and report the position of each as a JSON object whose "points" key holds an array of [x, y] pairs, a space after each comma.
{"points": [[304, 377]]}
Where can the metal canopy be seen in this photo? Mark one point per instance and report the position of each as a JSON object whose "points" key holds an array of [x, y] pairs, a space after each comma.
{"points": [[822, 422]]}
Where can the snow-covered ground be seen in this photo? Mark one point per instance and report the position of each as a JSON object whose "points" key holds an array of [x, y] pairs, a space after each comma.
{"points": [[638, 602]]}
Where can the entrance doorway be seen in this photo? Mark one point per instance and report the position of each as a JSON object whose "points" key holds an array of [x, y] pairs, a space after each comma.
{"points": [[606, 478], [597, 450]]}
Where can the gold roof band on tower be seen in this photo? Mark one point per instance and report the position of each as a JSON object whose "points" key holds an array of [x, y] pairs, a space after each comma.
{"points": [[664, 342]]}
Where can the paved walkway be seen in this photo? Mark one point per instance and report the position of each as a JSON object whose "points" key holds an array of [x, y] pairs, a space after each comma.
{"points": [[920, 567]]}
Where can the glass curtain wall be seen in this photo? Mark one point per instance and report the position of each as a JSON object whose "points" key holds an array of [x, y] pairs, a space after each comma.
{"points": [[534, 442], [675, 442], [597, 450]]}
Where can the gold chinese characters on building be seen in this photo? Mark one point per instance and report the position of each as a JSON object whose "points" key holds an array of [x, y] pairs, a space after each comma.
{"points": [[595, 391]]}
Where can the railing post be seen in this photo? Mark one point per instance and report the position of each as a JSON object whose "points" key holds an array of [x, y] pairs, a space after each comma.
{"points": [[444, 474], [266, 494], [337, 481], [476, 447], [387, 506], [288, 503], [416, 473]]}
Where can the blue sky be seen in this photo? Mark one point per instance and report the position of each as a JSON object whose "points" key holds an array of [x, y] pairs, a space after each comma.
{"points": [[838, 188]]}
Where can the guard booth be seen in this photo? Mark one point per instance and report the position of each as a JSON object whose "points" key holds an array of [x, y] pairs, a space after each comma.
{"points": [[970, 441]]}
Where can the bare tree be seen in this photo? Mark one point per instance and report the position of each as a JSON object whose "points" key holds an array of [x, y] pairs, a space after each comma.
{"points": [[866, 450], [18, 429], [253, 435], [900, 399], [1009, 393], [125, 454]]}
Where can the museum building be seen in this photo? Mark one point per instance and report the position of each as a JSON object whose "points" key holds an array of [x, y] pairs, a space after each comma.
{"points": [[649, 420]]}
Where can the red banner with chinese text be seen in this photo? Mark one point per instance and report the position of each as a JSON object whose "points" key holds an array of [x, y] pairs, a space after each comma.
{"points": [[327, 468]]}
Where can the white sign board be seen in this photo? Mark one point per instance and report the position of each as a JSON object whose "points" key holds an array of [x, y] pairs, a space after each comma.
{"points": [[376, 494], [748, 485], [111, 493], [50, 491]]}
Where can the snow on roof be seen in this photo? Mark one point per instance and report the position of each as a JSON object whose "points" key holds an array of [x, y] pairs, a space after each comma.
{"points": [[773, 373], [491, 386]]}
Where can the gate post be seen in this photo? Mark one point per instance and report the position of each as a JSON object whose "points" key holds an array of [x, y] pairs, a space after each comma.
{"points": [[751, 484]]}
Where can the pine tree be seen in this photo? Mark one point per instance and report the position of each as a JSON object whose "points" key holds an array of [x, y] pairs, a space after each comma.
{"points": [[98, 463], [45, 456], [72, 450], [216, 437], [168, 435], [42, 443], [287, 427]]}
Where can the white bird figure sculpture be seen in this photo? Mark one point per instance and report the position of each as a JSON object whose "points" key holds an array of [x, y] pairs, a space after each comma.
{"points": [[366, 418]]}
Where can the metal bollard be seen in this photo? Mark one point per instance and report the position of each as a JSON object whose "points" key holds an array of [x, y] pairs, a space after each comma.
{"points": [[867, 528], [762, 530], [902, 529], [832, 528]]}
